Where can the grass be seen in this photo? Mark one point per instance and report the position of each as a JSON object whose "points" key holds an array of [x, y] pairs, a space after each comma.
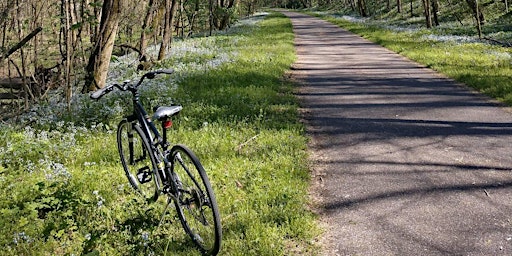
{"points": [[485, 67], [63, 191]]}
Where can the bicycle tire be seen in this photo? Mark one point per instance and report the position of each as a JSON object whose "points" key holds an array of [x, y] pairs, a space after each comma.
{"points": [[137, 159], [196, 205]]}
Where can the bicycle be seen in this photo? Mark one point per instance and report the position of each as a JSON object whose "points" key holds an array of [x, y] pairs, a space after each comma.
{"points": [[154, 168]]}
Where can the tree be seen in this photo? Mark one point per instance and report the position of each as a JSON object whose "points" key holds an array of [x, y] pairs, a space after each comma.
{"points": [[99, 60], [170, 10], [223, 11], [428, 13], [143, 43], [435, 11], [477, 11], [478, 14], [361, 7]]}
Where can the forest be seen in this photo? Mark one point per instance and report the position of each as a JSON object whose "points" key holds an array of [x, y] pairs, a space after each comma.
{"points": [[68, 44], [432, 13]]}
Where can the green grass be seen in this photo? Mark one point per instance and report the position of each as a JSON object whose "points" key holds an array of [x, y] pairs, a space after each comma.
{"points": [[62, 190], [485, 67]]}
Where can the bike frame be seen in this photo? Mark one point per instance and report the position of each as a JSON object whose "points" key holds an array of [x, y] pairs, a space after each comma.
{"points": [[141, 117]]}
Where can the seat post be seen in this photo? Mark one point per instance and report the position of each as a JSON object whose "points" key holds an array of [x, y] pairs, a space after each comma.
{"points": [[165, 145]]}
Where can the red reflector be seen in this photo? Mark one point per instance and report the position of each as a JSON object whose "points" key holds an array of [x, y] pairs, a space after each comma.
{"points": [[167, 124]]}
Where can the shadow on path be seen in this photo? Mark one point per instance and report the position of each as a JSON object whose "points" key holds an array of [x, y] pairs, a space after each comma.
{"points": [[405, 161]]}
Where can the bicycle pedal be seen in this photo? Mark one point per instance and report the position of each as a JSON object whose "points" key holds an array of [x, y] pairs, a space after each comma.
{"points": [[144, 175]]}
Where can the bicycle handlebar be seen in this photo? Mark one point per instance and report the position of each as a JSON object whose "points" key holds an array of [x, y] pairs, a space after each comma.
{"points": [[126, 84]]}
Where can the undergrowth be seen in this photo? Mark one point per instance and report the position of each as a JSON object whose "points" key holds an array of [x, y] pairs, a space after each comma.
{"points": [[63, 191]]}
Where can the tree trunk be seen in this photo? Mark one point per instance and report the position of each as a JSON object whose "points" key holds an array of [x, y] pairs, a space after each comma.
{"points": [[412, 9], [352, 5], [222, 16], [428, 13], [477, 11], [435, 11], [99, 61], [361, 6], [67, 38], [399, 6], [210, 16], [143, 34], [478, 20], [170, 9]]}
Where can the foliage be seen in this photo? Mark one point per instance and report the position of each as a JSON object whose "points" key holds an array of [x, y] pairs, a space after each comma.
{"points": [[58, 56], [63, 191]]}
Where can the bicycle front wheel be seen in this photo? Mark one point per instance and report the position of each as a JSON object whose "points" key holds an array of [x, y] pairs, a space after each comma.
{"points": [[196, 205], [137, 159]]}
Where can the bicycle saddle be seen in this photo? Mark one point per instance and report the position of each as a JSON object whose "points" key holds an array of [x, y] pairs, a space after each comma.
{"points": [[163, 113]]}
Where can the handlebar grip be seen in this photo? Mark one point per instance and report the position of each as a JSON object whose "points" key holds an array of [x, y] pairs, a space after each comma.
{"points": [[152, 74], [99, 93], [165, 71]]}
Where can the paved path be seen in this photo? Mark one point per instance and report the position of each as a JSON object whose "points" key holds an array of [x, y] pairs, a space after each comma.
{"points": [[406, 162]]}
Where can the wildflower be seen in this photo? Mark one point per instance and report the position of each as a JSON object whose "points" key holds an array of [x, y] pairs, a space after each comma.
{"points": [[21, 237], [99, 198], [55, 171], [145, 238]]}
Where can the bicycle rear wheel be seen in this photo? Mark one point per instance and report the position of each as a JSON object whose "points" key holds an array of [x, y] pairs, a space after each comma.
{"points": [[196, 206], [137, 159]]}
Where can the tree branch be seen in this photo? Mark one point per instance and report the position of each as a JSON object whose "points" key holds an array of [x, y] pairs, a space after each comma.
{"points": [[20, 44]]}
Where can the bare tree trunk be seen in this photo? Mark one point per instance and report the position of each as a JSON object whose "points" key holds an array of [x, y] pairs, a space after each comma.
{"points": [[99, 60], [428, 13], [361, 6], [435, 11], [170, 9], [478, 19], [210, 17], [506, 5], [222, 17], [412, 9], [477, 11], [143, 35], [193, 17], [399, 6], [67, 35]]}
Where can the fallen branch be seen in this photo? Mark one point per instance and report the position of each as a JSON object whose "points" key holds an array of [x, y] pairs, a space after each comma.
{"points": [[141, 56], [504, 44], [20, 44], [239, 148]]}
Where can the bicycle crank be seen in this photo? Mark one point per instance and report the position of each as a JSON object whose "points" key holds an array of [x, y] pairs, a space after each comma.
{"points": [[144, 175]]}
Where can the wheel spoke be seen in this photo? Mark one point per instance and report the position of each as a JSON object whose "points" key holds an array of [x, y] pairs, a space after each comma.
{"points": [[196, 205], [137, 160]]}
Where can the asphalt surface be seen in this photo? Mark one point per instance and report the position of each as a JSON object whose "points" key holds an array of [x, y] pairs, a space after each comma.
{"points": [[405, 161]]}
